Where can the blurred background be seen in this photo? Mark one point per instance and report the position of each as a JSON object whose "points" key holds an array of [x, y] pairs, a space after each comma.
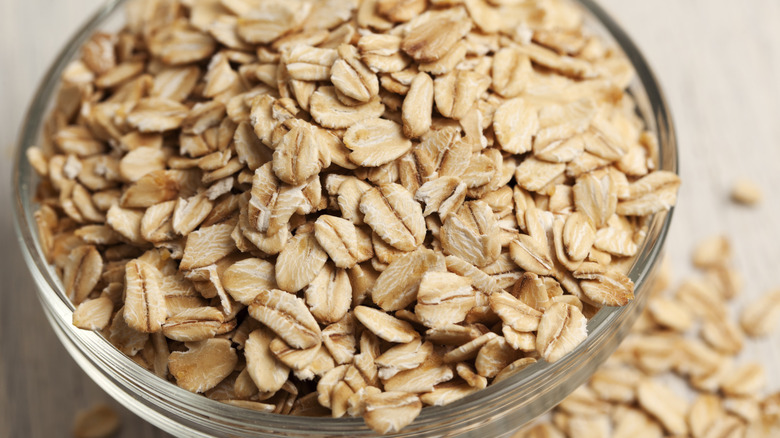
{"points": [[718, 62]]}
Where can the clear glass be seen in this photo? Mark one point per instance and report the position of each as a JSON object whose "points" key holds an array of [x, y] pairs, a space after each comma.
{"points": [[496, 411]]}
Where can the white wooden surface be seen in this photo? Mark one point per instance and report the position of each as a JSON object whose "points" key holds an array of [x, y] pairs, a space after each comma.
{"points": [[718, 61]]}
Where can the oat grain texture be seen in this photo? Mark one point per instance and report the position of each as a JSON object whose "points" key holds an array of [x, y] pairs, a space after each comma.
{"points": [[41, 388]]}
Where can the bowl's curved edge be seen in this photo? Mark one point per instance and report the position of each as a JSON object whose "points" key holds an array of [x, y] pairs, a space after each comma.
{"points": [[24, 223]]}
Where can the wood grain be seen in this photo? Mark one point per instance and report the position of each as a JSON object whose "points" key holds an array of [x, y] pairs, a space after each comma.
{"points": [[717, 60]]}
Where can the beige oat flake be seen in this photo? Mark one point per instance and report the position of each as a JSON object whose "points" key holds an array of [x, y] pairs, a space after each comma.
{"points": [[375, 142], [351, 77], [444, 298], [265, 370], [329, 295], [384, 325], [329, 112], [82, 272], [98, 421], [515, 124], [663, 404], [472, 234], [144, 301], [291, 274], [287, 316], [309, 63], [203, 365], [393, 214], [746, 192], [457, 91], [93, 314], [437, 33], [391, 411], [761, 317], [418, 106], [298, 156], [561, 329]]}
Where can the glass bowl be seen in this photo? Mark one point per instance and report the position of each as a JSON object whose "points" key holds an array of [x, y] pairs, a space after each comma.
{"points": [[497, 411]]}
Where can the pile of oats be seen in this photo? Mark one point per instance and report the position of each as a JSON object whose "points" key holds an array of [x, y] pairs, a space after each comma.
{"points": [[393, 202], [685, 334]]}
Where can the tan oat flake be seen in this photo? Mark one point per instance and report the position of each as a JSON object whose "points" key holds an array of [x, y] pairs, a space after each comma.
{"points": [[144, 300], [265, 370], [417, 106], [561, 329], [746, 192], [391, 411], [393, 214], [436, 35], [93, 314], [385, 326], [82, 272], [291, 274], [374, 142], [396, 287], [203, 365], [444, 298], [329, 112], [351, 77], [472, 234], [287, 316], [667, 407], [515, 123], [761, 317], [98, 421]]}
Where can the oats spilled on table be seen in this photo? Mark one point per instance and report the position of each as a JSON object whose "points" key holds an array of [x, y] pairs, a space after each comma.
{"points": [[393, 203], [685, 336]]}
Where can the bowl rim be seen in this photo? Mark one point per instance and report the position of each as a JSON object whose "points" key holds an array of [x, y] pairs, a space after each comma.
{"points": [[190, 405]]}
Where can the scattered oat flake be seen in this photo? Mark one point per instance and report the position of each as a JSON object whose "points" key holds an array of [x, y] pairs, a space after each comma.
{"points": [[746, 192], [762, 316], [98, 421], [636, 387]]}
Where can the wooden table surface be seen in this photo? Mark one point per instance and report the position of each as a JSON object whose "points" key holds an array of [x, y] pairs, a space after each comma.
{"points": [[717, 60]]}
